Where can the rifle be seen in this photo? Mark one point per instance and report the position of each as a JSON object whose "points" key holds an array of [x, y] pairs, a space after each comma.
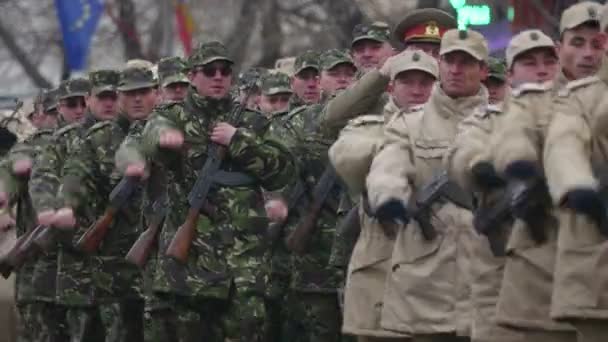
{"points": [[141, 249], [487, 221], [91, 239], [276, 229], [179, 248], [439, 187], [299, 239], [18, 254]]}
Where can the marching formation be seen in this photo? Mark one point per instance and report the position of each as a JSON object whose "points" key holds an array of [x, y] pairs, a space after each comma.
{"points": [[426, 192]]}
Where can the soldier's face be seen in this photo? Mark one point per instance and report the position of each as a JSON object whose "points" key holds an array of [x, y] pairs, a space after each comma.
{"points": [[306, 86], [337, 78], [580, 51], [103, 106], [213, 79], [138, 104], [72, 109], [460, 74], [369, 54], [534, 66], [412, 88], [496, 89], [175, 92], [274, 103], [432, 49]]}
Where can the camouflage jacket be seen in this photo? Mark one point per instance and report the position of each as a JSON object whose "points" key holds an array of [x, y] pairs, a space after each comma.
{"points": [[225, 241], [89, 177], [69, 273], [301, 132], [27, 289]]}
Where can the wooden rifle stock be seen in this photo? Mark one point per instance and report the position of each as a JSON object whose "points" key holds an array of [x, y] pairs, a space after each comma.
{"points": [[17, 255], [179, 248], [91, 239], [299, 239], [140, 251]]}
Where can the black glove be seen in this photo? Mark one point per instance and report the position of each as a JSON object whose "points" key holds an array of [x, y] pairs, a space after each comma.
{"points": [[523, 169], [587, 202], [392, 211], [485, 176]]}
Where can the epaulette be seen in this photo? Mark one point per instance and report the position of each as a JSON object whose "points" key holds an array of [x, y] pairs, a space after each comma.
{"points": [[531, 87], [65, 129], [572, 85], [366, 120]]}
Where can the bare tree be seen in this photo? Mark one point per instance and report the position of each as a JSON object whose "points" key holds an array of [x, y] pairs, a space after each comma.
{"points": [[272, 34]]}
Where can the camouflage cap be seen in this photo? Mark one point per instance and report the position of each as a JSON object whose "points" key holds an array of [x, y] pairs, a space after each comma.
{"points": [[526, 41], [251, 76], [276, 83], [133, 78], [424, 25], [333, 57], [378, 31], [74, 88], [209, 52], [415, 60], [104, 80], [172, 70], [309, 59], [469, 41], [49, 100], [579, 14], [497, 69]]}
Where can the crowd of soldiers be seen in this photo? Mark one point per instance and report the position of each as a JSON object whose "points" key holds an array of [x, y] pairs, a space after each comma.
{"points": [[426, 192]]}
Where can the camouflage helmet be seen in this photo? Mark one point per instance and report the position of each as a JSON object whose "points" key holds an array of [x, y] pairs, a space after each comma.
{"points": [[104, 81], [334, 57], [133, 78], [172, 70], [378, 31], [251, 76], [497, 69], [276, 83], [309, 59], [207, 53], [74, 88]]}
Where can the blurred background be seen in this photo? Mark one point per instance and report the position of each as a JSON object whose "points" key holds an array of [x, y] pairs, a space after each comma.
{"points": [[44, 41]]}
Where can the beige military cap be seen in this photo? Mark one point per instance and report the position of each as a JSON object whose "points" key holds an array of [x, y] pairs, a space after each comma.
{"points": [[578, 14], [604, 20], [526, 41], [414, 60], [469, 41]]}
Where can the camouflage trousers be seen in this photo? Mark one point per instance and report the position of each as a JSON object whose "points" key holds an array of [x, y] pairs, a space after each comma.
{"points": [[122, 320], [41, 322], [184, 319], [84, 324], [246, 319], [313, 317]]}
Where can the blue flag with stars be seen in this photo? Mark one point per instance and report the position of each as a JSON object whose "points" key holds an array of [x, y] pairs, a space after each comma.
{"points": [[78, 19]]}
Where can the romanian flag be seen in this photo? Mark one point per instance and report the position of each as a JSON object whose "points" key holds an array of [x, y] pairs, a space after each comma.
{"points": [[185, 24]]}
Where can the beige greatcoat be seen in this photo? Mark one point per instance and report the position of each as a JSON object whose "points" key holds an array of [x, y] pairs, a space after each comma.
{"points": [[577, 139], [427, 290], [352, 155]]}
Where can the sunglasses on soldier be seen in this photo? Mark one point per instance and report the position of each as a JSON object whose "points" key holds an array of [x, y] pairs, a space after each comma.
{"points": [[211, 70]]}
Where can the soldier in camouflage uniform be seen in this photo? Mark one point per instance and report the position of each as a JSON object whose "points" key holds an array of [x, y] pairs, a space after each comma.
{"points": [[44, 114], [74, 288], [305, 81], [275, 93], [174, 82], [249, 80], [496, 83], [223, 254], [337, 72], [88, 177], [371, 45]]}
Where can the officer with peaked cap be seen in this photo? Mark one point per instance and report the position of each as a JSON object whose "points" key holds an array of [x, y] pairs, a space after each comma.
{"points": [[423, 28]]}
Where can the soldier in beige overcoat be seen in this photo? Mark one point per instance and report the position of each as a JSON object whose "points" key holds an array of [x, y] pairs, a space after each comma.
{"points": [[531, 61], [427, 289], [525, 296], [413, 75], [575, 160]]}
